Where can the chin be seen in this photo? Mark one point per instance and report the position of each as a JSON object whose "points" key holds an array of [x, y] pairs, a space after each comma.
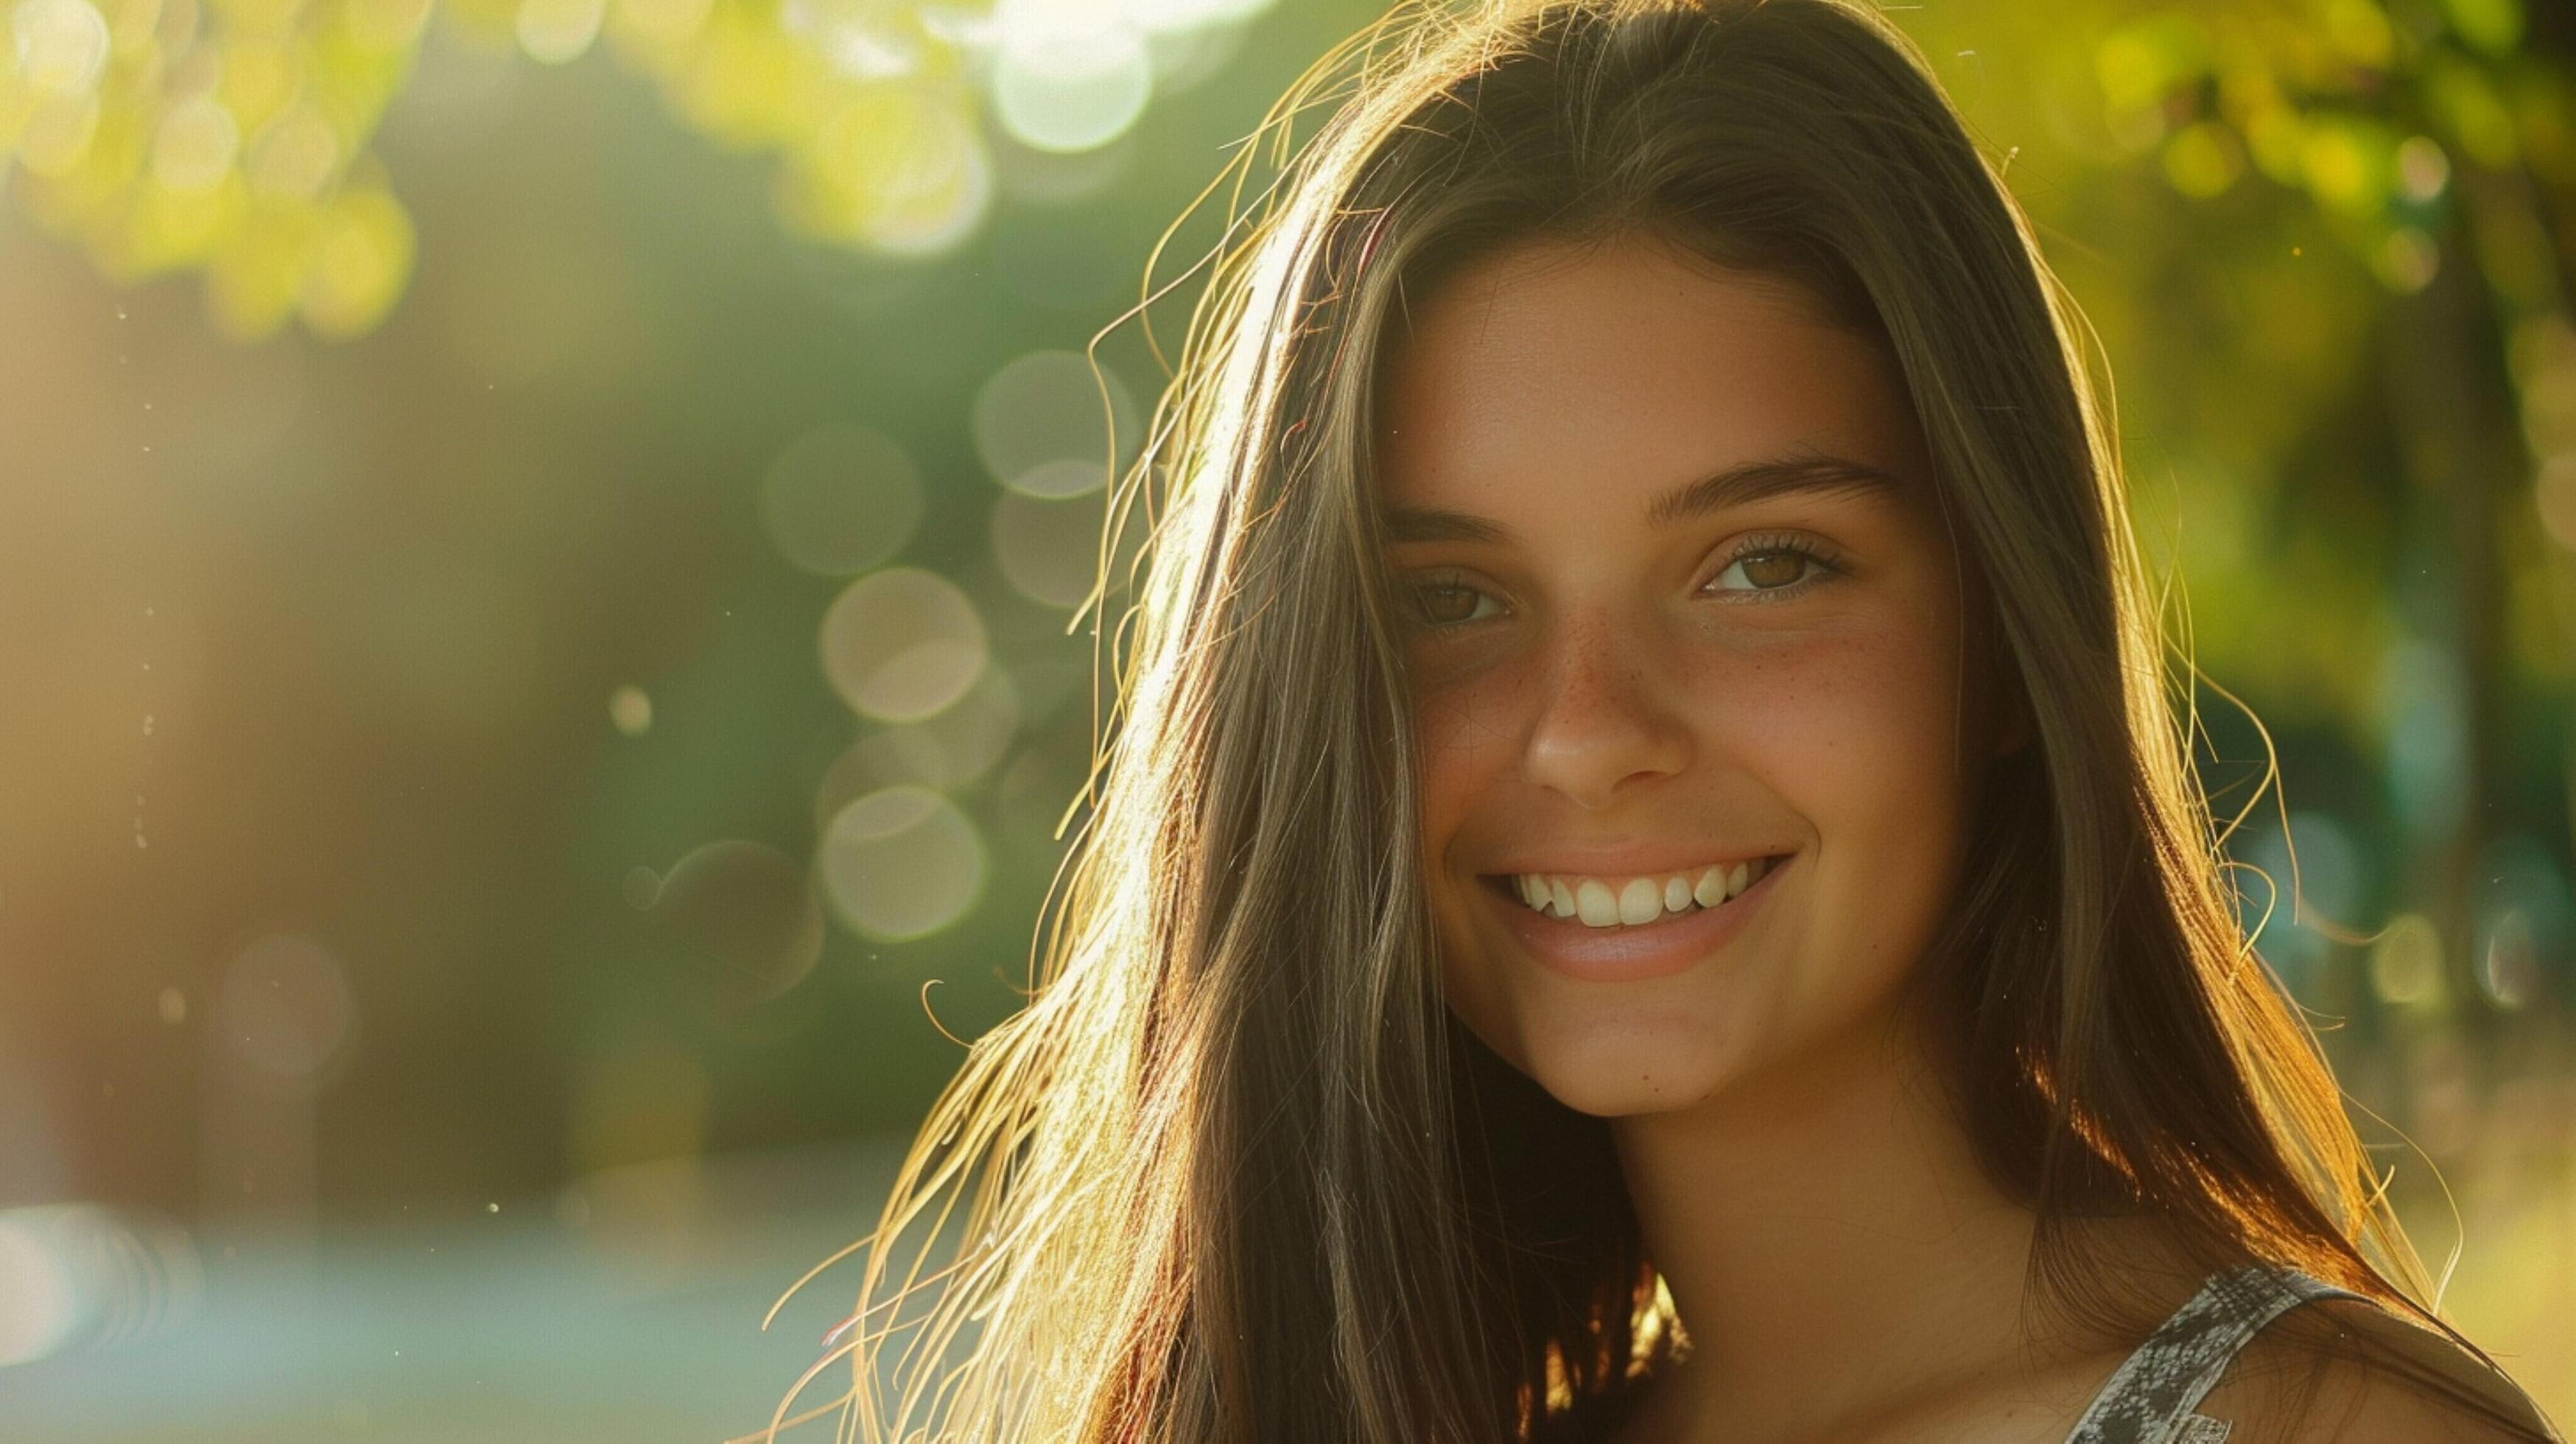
{"points": [[1627, 1097], [1632, 1066]]}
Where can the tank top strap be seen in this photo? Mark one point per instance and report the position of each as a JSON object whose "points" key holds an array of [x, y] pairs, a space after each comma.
{"points": [[2151, 1397]]}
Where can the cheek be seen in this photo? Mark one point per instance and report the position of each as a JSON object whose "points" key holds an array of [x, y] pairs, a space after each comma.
{"points": [[1463, 744], [1861, 723], [1857, 735], [1463, 732]]}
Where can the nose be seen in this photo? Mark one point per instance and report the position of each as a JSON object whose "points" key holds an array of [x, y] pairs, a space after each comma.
{"points": [[1607, 716]]}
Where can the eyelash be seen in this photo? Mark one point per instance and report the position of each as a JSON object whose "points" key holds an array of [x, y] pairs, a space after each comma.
{"points": [[1823, 564]]}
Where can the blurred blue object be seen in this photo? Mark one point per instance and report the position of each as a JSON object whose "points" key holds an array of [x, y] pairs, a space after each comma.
{"points": [[628, 1309]]}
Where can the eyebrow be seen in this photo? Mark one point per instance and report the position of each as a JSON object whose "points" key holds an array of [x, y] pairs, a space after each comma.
{"points": [[1810, 474]]}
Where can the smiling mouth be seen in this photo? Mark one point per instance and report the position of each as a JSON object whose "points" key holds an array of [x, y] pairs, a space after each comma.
{"points": [[1610, 904]]}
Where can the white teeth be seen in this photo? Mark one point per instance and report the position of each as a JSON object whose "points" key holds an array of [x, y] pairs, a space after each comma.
{"points": [[1710, 890], [1639, 900]]}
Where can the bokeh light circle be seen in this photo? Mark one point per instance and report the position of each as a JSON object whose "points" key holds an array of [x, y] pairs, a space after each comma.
{"points": [[1066, 81], [61, 45], [942, 197], [294, 155], [954, 749], [1037, 790], [901, 863], [900, 167], [641, 888], [748, 912], [902, 644], [79, 1276], [1049, 551], [555, 31], [2510, 971], [362, 256], [285, 1009], [630, 710], [1038, 425], [841, 499], [2406, 962], [194, 146]]}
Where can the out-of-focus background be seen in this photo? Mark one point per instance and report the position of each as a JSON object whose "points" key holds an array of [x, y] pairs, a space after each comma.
{"points": [[536, 546]]}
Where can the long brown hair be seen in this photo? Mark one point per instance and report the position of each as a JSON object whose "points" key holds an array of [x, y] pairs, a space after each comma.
{"points": [[1235, 1172]]}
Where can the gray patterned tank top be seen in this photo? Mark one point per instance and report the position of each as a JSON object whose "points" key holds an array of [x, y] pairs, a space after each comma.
{"points": [[2153, 1397]]}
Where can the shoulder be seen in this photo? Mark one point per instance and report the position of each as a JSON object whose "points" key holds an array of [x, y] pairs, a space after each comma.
{"points": [[2347, 1371]]}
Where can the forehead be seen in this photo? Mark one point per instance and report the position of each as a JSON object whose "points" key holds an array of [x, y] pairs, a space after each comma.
{"points": [[1621, 362]]}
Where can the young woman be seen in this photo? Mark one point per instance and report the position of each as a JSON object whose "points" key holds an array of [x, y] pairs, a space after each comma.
{"points": [[1645, 884]]}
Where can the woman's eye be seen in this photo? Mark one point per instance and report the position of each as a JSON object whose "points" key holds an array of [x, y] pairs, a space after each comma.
{"points": [[1772, 567], [1451, 603]]}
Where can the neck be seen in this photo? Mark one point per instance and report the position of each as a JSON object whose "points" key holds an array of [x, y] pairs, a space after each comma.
{"points": [[1831, 1246]]}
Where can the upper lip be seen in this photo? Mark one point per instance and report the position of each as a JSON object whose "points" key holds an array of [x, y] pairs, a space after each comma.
{"points": [[1634, 864]]}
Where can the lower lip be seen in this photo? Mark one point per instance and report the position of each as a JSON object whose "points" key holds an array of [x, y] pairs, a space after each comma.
{"points": [[1624, 954]]}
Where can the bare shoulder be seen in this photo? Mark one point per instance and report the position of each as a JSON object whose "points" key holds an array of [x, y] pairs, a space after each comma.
{"points": [[2345, 1371]]}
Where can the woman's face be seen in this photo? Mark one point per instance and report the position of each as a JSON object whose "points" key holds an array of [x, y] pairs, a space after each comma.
{"points": [[1683, 600]]}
